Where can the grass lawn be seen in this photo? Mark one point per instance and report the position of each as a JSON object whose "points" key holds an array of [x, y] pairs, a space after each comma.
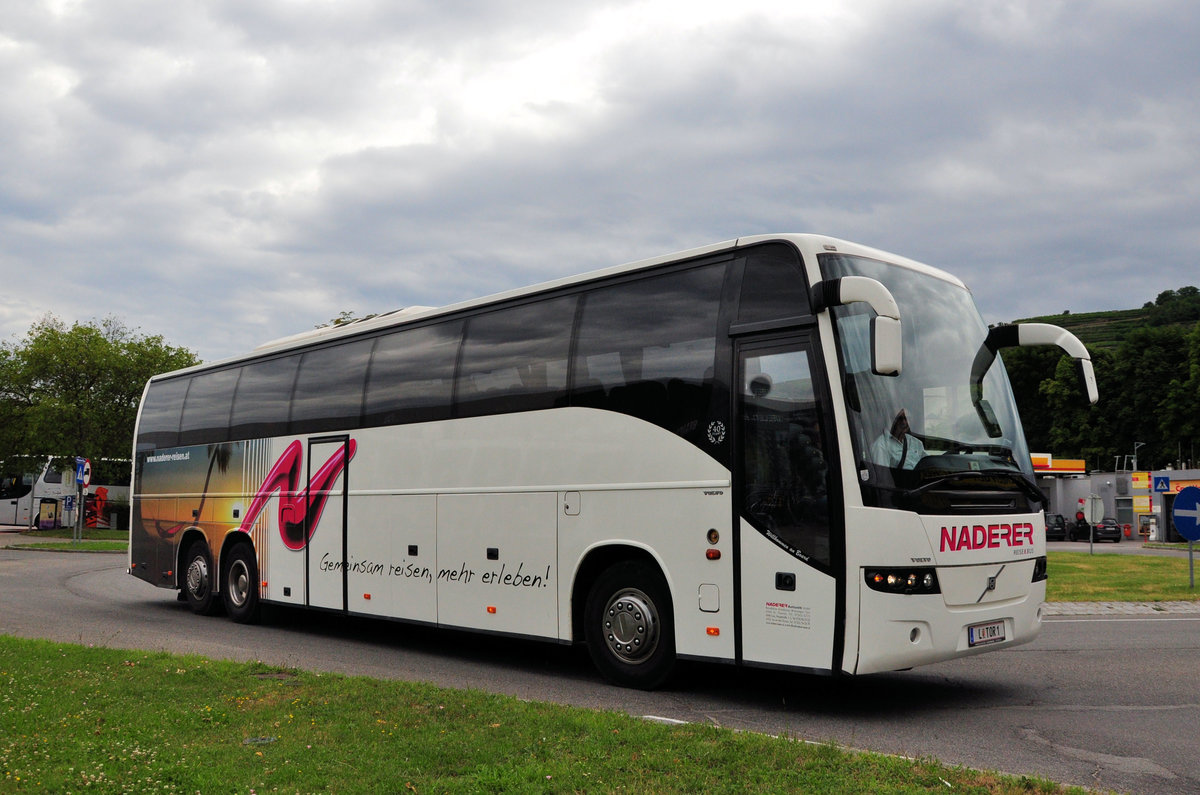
{"points": [[102, 720], [95, 540], [1109, 577], [75, 718]]}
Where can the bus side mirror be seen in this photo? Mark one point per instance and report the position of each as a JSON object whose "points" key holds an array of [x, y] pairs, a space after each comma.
{"points": [[1030, 334], [1087, 379], [1025, 335], [886, 346], [886, 330]]}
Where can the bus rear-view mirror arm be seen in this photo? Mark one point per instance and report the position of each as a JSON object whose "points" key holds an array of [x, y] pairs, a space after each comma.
{"points": [[1027, 335], [886, 337]]}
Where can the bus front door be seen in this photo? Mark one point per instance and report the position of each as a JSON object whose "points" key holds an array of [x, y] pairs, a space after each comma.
{"points": [[325, 521], [788, 547]]}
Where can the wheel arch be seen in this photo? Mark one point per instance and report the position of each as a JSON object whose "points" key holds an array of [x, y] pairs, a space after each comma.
{"points": [[595, 561], [237, 537], [188, 537]]}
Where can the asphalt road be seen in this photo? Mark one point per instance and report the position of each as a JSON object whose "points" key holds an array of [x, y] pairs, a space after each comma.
{"points": [[1107, 703]]}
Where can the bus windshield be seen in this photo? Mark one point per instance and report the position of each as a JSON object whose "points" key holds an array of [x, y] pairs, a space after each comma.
{"points": [[929, 439]]}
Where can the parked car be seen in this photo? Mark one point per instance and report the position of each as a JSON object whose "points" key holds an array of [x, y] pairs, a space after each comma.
{"points": [[1106, 529], [1056, 527]]}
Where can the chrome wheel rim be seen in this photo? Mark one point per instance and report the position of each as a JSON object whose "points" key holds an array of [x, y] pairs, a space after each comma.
{"points": [[631, 626], [239, 583], [197, 577]]}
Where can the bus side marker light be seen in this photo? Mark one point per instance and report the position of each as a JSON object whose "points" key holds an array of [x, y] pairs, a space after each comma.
{"points": [[713, 631], [713, 554], [491, 609], [367, 596]]}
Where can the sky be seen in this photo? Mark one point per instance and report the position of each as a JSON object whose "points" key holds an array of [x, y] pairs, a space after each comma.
{"points": [[228, 172]]}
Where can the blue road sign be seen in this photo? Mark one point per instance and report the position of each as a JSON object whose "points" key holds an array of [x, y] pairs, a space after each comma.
{"points": [[1186, 513], [1162, 484]]}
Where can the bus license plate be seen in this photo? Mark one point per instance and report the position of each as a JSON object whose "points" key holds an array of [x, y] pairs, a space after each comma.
{"points": [[983, 634]]}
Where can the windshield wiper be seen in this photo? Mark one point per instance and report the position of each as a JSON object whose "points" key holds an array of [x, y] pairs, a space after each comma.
{"points": [[1030, 490]]}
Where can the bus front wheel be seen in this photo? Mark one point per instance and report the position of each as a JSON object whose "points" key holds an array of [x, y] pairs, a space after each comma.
{"points": [[241, 584], [628, 625], [198, 581]]}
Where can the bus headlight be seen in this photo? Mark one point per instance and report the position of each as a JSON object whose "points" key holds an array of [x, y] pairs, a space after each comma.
{"points": [[914, 580]]}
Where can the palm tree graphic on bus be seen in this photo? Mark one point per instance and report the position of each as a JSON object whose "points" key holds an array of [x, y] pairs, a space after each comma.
{"points": [[298, 507]]}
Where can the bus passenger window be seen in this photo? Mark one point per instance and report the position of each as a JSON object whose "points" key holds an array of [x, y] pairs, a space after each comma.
{"points": [[329, 388], [515, 359], [158, 426], [773, 285], [412, 375], [647, 348], [261, 403], [206, 410]]}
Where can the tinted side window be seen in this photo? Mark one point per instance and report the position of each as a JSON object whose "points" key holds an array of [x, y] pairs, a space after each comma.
{"points": [[773, 285], [785, 486], [159, 424], [647, 348], [206, 409], [412, 375], [516, 359], [260, 406], [329, 388]]}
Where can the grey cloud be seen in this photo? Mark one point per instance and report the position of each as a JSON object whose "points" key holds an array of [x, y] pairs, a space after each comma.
{"points": [[227, 173]]}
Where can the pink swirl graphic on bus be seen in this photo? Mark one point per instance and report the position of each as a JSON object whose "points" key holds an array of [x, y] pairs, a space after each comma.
{"points": [[298, 507]]}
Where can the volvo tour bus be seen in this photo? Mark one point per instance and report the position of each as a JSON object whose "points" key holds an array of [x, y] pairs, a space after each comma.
{"points": [[784, 451]]}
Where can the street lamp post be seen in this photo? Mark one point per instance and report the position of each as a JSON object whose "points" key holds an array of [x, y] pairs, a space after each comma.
{"points": [[1136, 445]]}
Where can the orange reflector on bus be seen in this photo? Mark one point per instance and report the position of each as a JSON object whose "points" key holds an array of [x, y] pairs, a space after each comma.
{"points": [[367, 596], [713, 554], [491, 609], [714, 631]]}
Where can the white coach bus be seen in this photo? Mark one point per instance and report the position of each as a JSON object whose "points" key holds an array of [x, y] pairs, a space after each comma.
{"points": [[782, 451]]}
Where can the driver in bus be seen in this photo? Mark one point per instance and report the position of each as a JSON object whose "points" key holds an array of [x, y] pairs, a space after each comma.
{"points": [[897, 448]]}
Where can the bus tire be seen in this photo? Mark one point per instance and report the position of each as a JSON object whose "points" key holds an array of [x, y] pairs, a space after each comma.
{"points": [[198, 580], [240, 593], [629, 626]]}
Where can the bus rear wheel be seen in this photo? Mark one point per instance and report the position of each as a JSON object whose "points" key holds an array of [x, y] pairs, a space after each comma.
{"points": [[628, 625], [241, 584], [198, 581]]}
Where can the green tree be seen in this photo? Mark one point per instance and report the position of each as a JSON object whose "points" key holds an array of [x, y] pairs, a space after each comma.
{"points": [[74, 390], [1179, 420], [1028, 369]]}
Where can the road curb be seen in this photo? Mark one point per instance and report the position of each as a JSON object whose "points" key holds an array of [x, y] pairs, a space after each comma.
{"points": [[1120, 608]]}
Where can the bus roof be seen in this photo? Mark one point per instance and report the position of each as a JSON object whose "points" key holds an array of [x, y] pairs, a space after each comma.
{"points": [[806, 243]]}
